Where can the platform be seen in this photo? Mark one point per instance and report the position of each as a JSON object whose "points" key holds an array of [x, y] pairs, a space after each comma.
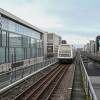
{"points": [[77, 91]]}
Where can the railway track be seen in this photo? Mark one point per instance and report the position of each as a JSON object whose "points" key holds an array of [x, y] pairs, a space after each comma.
{"points": [[44, 87]]}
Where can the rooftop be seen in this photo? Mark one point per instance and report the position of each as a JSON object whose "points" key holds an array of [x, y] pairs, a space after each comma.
{"points": [[18, 20]]}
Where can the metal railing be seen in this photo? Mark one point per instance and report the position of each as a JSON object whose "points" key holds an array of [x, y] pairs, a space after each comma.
{"points": [[17, 74], [90, 93]]}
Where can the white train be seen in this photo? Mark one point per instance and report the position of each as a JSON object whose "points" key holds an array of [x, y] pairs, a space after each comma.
{"points": [[66, 53]]}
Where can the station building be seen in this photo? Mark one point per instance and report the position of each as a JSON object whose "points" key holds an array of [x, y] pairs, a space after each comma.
{"points": [[52, 42], [19, 40]]}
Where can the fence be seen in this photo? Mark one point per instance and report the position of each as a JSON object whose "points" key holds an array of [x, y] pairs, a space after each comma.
{"points": [[16, 74], [87, 83]]}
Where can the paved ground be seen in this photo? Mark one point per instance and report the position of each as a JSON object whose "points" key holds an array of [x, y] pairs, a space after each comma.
{"points": [[77, 91]]}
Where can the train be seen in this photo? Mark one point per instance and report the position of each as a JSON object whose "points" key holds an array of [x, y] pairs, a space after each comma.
{"points": [[66, 53]]}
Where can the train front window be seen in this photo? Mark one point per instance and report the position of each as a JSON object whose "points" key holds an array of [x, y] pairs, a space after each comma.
{"points": [[65, 49]]}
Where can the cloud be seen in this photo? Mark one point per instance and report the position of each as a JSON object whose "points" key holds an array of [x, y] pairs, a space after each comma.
{"points": [[75, 21], [48, 22], [34, 13]]}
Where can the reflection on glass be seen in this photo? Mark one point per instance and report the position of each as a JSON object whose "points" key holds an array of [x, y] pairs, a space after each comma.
{"points": [[28, 53], [2, 55], [18, 42], [4, 38], [19, 53], [9, 25], [15, 40], [11, 55], [26, 41]]}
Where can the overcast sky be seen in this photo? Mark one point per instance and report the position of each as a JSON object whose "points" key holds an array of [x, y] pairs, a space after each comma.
{"points": [[77, 21]]}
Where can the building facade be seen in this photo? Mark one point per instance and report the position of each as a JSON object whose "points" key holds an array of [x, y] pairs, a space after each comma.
{"points": [[19, 40], [90, 47], [53, 42]]}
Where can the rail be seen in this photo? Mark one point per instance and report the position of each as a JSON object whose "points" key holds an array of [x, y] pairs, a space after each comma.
{"points": [[44, 87], [87, 83]]}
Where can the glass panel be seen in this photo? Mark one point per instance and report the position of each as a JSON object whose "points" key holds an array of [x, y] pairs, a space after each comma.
{"points": [[4, 38], [38, 47], [28, 52], [19, 53], [33, 41], [12, 26], [0, 38], [25, 53], [6, 54], [2, 55], [39, 52], [33, 48], [42, 52], [65, 49], [15, 40], [11, 55], [26, 41], [4, 23], [33, 52]]}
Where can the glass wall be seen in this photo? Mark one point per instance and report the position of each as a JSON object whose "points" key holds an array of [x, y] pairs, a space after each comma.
{"points": [[33, 47], [4, 38], [11, 55], [15, 40], [39, 48], [19, 53], [28, 53], [9, 25], [26, 41], [2, 55], [7, 55], [15, 46]]}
